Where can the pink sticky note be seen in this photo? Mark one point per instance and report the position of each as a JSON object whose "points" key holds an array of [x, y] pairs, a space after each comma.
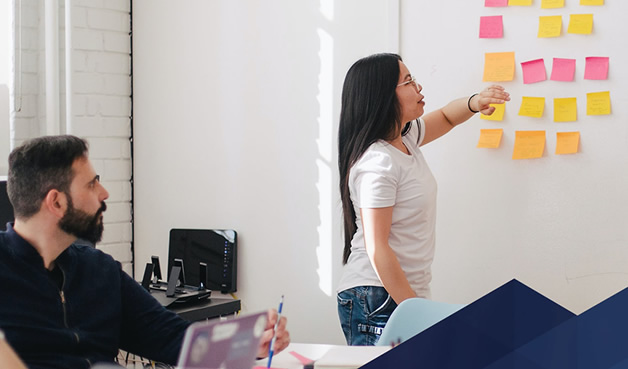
{"points": [[495, 3], [563, 69], [491, 27], [596, 67], [533, 71], [302, 359]]}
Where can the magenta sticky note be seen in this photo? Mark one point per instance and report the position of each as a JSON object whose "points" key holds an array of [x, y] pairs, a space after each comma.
{"points": [[533, 71], [495, 3], [491, 27], [563, 69], [596, 67]]}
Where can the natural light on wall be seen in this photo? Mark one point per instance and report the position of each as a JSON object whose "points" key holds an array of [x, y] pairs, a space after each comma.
{"points": [[324, 143], [5, 69]]}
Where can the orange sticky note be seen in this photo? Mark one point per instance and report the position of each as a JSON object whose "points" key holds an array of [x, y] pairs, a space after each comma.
{"points": [[490, 138], [580, 24], [591, 2], [519, 2], [599, 103], [552, 4], [498, 114], [550, 26], [565, 109], [567, 142], [499, 67], [528, 145], [532, 106]]}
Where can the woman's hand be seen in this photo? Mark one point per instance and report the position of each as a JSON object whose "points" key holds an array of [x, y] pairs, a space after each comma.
{"points": [[494, 94]]}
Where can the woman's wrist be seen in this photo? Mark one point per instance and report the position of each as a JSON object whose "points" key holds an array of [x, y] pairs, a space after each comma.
{"points": [[469, 104]]}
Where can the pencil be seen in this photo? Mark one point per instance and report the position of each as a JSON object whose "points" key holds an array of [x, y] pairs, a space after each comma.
{"points": [[271, 348]]}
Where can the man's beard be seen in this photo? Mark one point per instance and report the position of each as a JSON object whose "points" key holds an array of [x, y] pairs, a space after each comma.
{"points": [[81, 224]]}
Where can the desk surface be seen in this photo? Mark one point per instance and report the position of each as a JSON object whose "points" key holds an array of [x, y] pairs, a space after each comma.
{"points": [[215, 306], [313, 351]]}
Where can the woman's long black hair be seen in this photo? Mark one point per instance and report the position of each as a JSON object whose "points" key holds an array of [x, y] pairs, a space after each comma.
{"points": [[369, 112]]}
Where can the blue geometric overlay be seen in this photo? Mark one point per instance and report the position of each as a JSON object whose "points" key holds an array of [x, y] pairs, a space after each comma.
{"points": [[516, 327]]}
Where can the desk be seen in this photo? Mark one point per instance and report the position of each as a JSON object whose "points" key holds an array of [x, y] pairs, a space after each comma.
{"points": [[215, 306], [314, 351]]}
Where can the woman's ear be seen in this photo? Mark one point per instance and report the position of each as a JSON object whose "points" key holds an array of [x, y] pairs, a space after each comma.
{"points": [[55, 203]]}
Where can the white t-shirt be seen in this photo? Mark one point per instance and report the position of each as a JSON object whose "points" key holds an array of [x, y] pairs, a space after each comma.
{"points": [[384, 176]]}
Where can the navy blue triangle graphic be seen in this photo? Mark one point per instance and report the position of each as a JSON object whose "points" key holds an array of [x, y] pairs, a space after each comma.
{"points": [[481, 334], [603, 334]]}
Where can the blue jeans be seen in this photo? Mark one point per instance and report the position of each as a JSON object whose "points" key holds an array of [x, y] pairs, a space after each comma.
{"points": [[363, 313]]}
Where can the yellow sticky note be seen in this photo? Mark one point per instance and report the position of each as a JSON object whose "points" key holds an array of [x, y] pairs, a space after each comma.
{"points": [[550, 26], [499, 67], [581, 24], [490, 138], [519, 2], [528, 144], [591, 2], [498, 114], [567, 142], [532, 106], [552, 4], [599, 103], [565, 109]]}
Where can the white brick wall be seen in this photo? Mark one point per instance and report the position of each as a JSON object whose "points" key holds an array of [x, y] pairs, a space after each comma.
{"points": [[101, 100]]}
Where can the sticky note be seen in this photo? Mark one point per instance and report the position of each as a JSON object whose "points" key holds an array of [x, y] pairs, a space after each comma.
{"points": [[499, 67], [490, 138], [563, 69], [498, 114], [580, 24], [599, 103], [552, 4], [567, 142], [565, 109], [550, 26], [596, 67], [528, 144], [519, 2], [532, 106], [495, 3], [591, 2], [491, 27], [533, 71]]}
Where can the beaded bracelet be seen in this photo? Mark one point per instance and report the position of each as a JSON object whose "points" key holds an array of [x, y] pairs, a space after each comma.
{"points": [[469, 104]]}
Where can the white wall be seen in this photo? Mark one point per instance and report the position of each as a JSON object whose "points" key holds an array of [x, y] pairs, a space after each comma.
{"points": [[235, 119], [101, 105], [557, 223]]}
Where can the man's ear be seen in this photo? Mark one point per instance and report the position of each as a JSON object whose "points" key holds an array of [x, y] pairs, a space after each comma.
{"points": [[56, 203]]}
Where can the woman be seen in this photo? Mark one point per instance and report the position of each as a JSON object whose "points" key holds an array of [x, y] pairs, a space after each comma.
{"points": [[387, 190]]}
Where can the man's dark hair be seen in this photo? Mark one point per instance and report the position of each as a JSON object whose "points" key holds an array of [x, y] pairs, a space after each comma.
{"points": [[38, 166]]}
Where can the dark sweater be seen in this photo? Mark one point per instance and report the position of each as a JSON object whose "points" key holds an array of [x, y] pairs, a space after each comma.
{"points": [[82, 312]]}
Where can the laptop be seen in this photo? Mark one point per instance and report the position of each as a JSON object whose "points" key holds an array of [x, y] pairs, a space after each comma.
{"points": [[222, 344]]}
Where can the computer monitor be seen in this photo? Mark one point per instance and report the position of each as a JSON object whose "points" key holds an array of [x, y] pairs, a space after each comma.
{"points": [[6, 209], [217, 248]]}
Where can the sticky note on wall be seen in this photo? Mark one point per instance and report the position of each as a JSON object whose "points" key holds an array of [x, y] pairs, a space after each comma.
{"points": [[533, 71], [491, 27], [499, 67], [565, 109], [519, 2], [599, 103], [550, 26], [495, 3], [567, 142], [532, 106], [596, 67], [563, 69], [552, 4], [498, 114], [591, 2], [528, 145], [490, 138], [580, 24]]}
